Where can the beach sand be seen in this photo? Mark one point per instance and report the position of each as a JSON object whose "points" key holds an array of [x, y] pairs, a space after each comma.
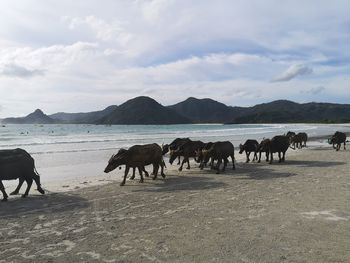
{"points": [[297, 211]]}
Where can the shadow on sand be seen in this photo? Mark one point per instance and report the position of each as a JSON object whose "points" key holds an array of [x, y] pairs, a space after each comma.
{"points": [[41, 204], [305, 163], [183, 182]]}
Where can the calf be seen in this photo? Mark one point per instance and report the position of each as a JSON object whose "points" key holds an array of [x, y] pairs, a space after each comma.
{"points": [[249, 146]]}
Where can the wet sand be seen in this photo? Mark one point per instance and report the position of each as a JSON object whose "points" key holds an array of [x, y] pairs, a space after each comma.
{"points": [[297, 211]]}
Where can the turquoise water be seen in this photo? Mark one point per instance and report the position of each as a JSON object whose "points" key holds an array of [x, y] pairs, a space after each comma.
{"points": [[41, 139]]}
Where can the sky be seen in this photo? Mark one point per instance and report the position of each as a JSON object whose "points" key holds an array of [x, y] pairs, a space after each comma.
{"points": [[85, 55]]}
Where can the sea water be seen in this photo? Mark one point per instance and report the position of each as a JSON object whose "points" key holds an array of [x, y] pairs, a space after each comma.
{"points": [[64, 151]]}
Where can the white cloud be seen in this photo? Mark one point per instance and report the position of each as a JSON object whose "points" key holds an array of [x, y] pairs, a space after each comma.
{"points": [[103, 30], [292, 72], [101, 54]]}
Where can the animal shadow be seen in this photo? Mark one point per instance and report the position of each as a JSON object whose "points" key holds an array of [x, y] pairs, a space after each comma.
{"points": [[41, 204]]}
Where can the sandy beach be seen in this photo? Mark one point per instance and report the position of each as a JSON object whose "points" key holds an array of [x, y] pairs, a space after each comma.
{"points": [[297, 211]]}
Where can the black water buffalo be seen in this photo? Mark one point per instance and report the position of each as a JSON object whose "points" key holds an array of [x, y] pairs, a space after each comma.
{"points": [[278, 144], [290, 134], [299, 140], [264, 147], [174, 145], [186, 150], [337, 139], [138, 156], [18, 164], [220, 151], [249, 146]]}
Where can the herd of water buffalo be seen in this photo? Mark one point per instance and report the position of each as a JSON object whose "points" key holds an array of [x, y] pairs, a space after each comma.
{"points": [[19, 164]]}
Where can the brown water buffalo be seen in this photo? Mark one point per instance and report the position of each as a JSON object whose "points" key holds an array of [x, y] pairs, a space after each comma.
{"points": [[220, 151], [186, 150], [249, 146], [298, 141], [121, 151], [199, 153], [337, 139], [278, 144], [174, 145], [138, 156], [18, 164], [264, 147]]}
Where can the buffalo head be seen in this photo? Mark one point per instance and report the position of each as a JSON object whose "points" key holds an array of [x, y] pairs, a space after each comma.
{"points": [[115, 161]]}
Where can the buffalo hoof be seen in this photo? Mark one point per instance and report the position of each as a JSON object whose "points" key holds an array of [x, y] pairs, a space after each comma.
{"points": [[4, 200], [146, 174], [163, 175], [122, 183], [259, 161], [180, 169], [14, 193], [154, 178], [188, 168], [24, 196], [41, 191], [233, 168], [132, 177], [141, 181]]}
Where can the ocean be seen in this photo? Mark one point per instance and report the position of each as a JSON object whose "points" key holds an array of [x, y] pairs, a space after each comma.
{"points": [[67, 151]]}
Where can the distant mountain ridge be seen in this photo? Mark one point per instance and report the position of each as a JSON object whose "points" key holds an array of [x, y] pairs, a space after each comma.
{"points": [[36, 117], [83, 117], [145, 110]]}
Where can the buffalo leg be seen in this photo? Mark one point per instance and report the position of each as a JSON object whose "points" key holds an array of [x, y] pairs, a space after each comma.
{"points": [[267, 156], [127, 168], [21, 181], [156, 168], [140, 172], [233, 161], [247, 154], [38, 184], [283, 156], [225, 164], [271, 158], [218, 166], [146, 173], [259, 157], [344, 145], [182, 164], [162, 169], [279, 157], [255, 157], [178, 160], [188, 164], [2, 189], [29, 185], [133, 174]]}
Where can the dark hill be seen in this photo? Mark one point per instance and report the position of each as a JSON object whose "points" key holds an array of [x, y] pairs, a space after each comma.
{"points": [[204, 110], [37, 117], [83, 117], [143, 110], [283, 111]]}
